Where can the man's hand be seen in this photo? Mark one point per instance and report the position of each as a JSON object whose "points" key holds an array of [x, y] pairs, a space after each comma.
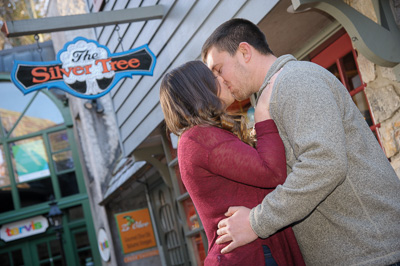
{"points": [[236, 228]]}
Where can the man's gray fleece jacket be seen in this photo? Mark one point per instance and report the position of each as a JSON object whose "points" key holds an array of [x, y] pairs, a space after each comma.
{"points": [[341, 195]]}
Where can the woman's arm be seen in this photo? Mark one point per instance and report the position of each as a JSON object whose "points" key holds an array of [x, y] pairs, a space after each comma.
{"points": [[262, 167]]}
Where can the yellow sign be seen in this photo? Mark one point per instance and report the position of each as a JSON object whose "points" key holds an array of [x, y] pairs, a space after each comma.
{"points": [[135, 230]]}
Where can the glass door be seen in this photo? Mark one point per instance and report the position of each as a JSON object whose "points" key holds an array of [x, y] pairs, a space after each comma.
{"points": [[81, 246], [12, 257], [46, 252]]}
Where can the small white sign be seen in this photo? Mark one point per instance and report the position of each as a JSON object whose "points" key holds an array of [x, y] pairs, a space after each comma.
{"points": [[103, 244], [23, 228]]}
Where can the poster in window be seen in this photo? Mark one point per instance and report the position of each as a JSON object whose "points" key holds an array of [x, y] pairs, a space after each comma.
{"points": [[135, 230], [31, 160]]}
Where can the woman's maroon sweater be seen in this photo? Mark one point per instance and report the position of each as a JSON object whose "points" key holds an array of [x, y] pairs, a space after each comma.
{"points": [[219, 171]]}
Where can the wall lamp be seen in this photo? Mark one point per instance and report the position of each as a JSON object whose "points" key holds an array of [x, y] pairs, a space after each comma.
{"points": [[94, 104], [56, 221]]}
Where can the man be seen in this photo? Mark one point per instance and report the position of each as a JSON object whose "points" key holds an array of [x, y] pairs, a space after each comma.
{"points": [[341, 194]]}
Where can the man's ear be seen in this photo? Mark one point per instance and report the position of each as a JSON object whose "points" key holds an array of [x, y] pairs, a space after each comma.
{"points": [[245, 50]]}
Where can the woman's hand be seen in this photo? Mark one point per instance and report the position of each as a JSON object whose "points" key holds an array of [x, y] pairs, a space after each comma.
{"points": [[261, 111]]}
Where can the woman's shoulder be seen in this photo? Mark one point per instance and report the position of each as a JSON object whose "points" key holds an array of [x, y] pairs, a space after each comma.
{"points": [[206, 134]]}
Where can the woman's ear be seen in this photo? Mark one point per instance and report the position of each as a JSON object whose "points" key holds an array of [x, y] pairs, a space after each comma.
{"points": [[245, 50]]}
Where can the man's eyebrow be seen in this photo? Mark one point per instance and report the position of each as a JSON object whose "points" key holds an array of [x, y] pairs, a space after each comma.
{"points": [[213, 67]]}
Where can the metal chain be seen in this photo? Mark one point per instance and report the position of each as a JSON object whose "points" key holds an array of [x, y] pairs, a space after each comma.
{"points": [[40, 49], [119, 38]]}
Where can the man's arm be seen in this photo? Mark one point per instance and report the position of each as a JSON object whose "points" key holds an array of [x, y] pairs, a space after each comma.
{"points": [[312, 120]]}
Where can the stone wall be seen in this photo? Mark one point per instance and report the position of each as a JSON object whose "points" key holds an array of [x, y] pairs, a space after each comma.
{"points": [[382, 91]]}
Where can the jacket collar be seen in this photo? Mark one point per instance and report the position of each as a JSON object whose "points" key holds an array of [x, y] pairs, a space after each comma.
{"points": [[275, 67]]}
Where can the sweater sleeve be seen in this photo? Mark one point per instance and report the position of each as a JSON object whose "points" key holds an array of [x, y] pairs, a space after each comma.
{"points": [[309, 114], [263, 167]]}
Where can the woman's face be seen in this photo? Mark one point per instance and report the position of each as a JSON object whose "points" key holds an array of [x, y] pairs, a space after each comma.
{"points": [[224, 93]]}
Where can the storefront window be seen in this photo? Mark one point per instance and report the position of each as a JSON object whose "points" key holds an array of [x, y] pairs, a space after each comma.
{"points": [[33, 158], [12, 104], [75, 213], [68, 184], [35, 192], [12, 258], [182, 187], [191, 216], [59, 141], [49, 253], [25, 114], [29, 159], [63, 161], [4, 177], [199, 250], [5, 188], [82, 246]]}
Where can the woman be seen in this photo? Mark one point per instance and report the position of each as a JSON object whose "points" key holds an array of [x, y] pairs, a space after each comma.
{"points": [[217, 167]]}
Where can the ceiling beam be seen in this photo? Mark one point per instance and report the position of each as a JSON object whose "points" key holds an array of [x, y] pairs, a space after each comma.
{"points": [[74, 22]]}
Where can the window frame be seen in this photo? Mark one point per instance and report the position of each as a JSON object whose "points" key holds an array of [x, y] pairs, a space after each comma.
{"points": [[6, 140]]}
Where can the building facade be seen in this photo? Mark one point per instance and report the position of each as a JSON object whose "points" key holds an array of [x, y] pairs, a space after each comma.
{"points": [[129, 164], [40, 164]]}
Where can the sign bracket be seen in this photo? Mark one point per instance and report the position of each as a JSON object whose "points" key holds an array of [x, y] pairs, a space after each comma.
{"points": [[73, 22]]}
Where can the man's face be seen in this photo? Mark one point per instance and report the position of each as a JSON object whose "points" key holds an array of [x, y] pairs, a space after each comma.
{"points": [[224, 94], [232, 71]]}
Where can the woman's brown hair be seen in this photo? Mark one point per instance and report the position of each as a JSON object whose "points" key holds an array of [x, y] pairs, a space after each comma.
{"points": [[188, 96]]}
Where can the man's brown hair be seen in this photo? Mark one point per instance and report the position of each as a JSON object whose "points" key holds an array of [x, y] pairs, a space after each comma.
{"points": [[231, 33]]}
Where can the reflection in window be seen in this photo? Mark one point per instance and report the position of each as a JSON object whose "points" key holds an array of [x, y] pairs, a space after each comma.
{"points": [[191, 216], [199, 250], [5, 259], [68, 184], [352, 81], [59, 141], [63, 160], [29, 159], [6, 200], [51, 258], [4, 177], [75, 213], [82, 246], [17, 257], [12, 104], [41, 113], [35, 192], [42, 251]]}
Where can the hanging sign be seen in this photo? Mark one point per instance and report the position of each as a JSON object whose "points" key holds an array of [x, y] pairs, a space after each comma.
{"points": [[23, 228], [84, 68], [135, 230]]}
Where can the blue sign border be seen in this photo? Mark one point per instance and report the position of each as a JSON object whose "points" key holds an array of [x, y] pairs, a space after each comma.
{"points": [[60, 84]]}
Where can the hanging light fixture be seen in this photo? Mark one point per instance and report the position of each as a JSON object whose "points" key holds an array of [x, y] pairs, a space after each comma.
{"points": [[55, 215], [55, 218]]}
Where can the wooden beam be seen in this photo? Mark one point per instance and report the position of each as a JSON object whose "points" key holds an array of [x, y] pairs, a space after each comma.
{"points": [[63, 23], [379, 43]]}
